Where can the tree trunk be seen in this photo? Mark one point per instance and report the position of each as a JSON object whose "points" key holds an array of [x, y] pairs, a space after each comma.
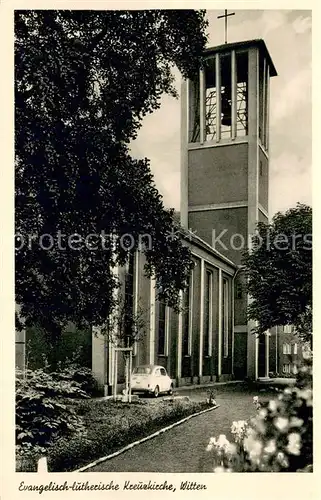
{"points": [[126, 377], [54, 337]]}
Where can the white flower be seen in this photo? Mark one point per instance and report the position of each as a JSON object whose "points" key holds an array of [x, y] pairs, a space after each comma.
{"points": [[273, 405], [238, 426], [250, 431], [296, 422], [294, 445], [307, 354], [263, 413], [239, 429], [270, 447], [260, 425], [281, 423], [282, 459], [222, 442], [253, 446], [256, 451], [211, 444], [306, 394], [219, 469], [231, 449], [256, 448]]}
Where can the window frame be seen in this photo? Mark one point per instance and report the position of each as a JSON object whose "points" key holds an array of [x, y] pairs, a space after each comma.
{"points": [[189, 316], [208, 331], [225, 316]]}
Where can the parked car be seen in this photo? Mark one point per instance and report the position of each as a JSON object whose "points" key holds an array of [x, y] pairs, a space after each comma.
{"points": [[151, 379]]}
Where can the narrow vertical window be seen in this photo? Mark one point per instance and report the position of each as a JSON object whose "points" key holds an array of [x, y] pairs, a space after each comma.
{"points": [[263, 99], [186, 321], [295, 348], [210, 100], [225, 317], [163, 329], [242, 94], [194, 109], [208, 315], [226, 96], [267, 108], [129, 299], [202, 107], [187, 318]]}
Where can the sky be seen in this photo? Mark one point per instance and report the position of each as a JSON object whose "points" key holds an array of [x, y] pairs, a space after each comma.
{"points": [[287, 34]]}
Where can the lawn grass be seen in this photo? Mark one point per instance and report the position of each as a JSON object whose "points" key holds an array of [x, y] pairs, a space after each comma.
{"points": [[112, 425]]}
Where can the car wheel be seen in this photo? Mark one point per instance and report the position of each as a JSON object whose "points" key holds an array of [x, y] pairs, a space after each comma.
{"points": [[156, 391], [170, 392]]}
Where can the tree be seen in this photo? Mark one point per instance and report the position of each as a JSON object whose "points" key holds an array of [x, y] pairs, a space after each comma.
{"points": [[84, 80], [279, 272]]}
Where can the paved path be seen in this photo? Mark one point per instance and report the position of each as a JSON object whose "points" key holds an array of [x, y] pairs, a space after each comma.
{"points": [[181, 449]]}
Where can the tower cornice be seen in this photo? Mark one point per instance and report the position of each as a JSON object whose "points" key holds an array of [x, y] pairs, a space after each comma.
{"points": [[258, 43]]}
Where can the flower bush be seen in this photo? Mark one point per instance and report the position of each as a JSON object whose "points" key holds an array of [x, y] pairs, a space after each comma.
{"points": [[278, 439]]}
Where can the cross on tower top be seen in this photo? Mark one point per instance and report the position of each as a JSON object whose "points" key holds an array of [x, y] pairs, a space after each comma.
{"points": [[226, 15]]}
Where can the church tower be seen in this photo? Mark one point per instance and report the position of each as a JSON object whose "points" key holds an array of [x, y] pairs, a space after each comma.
{"points": [[225, 164]]}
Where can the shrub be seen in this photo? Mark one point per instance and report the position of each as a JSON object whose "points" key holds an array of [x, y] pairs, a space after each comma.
{"points": [[278, 439], [43, 411]]}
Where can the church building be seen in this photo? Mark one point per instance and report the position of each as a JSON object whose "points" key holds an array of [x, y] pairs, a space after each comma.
{"points": [[224, 193]]}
